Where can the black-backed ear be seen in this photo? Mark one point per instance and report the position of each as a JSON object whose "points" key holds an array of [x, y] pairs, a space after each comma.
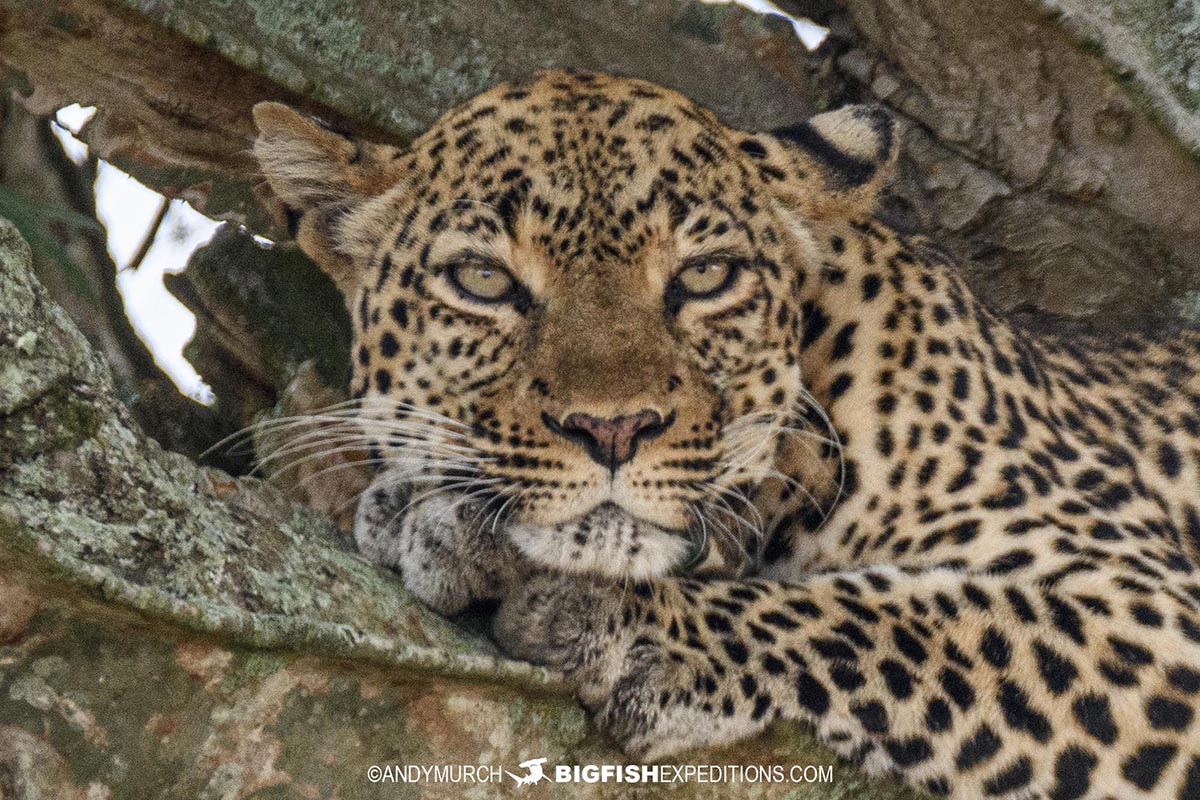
{"points": [[834, 163], [319, 175]]}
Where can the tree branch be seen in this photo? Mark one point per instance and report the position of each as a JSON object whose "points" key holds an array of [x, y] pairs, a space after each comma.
{"points": [[156, 222]]}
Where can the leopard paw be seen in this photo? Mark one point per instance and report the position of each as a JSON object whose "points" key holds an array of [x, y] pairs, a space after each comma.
{"points": [[442, 552], [658, 707], [560, 621], [651, 699]]}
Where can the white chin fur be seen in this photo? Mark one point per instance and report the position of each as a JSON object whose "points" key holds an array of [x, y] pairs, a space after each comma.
{"points": [[606, 541]]}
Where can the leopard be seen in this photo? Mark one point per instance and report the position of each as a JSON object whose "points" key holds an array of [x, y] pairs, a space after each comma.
{"points": [[726, 450]]}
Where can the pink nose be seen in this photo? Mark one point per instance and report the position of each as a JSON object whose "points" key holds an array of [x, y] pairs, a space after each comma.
{"points": [[611, 441]]}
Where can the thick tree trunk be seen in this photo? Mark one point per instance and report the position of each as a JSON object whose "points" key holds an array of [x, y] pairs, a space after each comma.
{"points": [[167, 630], [1057, 150]]}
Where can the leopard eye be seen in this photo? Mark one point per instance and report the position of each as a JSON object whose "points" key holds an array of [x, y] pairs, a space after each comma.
{"points": [[483, 281], [706, 278]]}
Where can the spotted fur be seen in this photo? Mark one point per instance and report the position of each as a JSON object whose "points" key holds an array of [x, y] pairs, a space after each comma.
{"points": [[839, 490]]}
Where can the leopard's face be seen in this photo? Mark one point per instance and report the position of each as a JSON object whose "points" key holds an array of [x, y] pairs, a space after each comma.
{"points": [[573, 308]]}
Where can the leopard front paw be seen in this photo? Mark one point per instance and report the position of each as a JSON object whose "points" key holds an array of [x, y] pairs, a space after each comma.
{"points": [[652, 697], [560, 621], [588, 629], [660, 706], [633, 707], [443, 553]]}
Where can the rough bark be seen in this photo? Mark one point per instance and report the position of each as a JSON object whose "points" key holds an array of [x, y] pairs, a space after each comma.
{"points": [[1049, 146], [265, 353], [169, 631], [34, 167]]}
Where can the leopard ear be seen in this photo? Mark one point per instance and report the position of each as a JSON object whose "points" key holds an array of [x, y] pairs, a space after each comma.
{"points": [[835, 163], [320, 175]]}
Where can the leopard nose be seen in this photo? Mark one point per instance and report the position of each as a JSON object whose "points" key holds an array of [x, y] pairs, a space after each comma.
{"points": [[610, 441]]}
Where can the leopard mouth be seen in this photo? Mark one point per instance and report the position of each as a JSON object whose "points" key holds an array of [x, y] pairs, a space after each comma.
{"points": [[606, 540], [609, 512]]}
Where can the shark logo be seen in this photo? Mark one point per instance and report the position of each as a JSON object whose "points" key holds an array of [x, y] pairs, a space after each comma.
{"points": [[535, 772]]}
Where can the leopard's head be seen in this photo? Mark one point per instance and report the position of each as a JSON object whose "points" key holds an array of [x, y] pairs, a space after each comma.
{"points": [[575, 303]]}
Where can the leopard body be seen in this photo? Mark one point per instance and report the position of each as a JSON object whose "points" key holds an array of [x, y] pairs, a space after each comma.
{"points": [[832, 487]]}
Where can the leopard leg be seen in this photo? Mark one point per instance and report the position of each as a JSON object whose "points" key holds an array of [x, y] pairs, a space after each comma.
{"points": [[966, 685]]}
